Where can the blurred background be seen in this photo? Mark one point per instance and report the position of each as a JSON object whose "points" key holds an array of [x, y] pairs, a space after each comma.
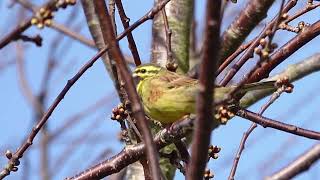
{"points": [[80, 133]]}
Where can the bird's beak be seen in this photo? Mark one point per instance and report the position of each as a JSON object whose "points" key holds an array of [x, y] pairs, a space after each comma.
{"points": [[134, 75], [136, 78]]}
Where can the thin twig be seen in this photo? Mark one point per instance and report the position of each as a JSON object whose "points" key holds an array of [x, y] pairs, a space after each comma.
{"points": [[14, 34], [250, 50], [246, 135], [254, 12], [227, 61], [309, 33], [266, 122], [168, 31], [59, 27], [125, 22]]}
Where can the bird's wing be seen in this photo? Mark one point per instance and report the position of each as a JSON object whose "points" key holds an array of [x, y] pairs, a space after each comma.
{"points": [[175, 80]]}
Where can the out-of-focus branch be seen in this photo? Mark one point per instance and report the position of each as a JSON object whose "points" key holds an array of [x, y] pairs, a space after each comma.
{"points": [[74, 119], [73, 35], [67, 153], [266, 122], [59, 27], [253, 14], [204, 123], [26, 89], [300, 165], [5, 64], [289, 143]]}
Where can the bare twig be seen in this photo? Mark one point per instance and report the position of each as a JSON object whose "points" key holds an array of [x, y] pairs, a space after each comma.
{"points": [[266, 122], [227, 61], [245, 136], [250, 50], [125, 22], [14, 34], [204, 123], [170, 60], [309, 33], [59, 27], [254, 12], [275, 96]]}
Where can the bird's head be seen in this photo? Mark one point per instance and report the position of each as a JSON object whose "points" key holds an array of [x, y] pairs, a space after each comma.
{"points": [[146, 71]]}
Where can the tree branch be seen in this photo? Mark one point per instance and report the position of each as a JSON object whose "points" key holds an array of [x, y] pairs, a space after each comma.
{"points": [[266, 122], [204, 123], [253, 14], [133, 153]]}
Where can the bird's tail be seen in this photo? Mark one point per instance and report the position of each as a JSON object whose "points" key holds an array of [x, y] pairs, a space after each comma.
{"points": [[257, 86]]}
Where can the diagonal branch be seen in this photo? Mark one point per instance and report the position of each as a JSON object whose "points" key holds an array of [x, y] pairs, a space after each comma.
{"points": [[285, 51], [125, 22], [253, 14], [133, 153], [266, 122]]}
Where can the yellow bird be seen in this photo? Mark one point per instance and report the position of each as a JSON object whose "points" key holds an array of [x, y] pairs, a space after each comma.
{"points": [[168, 96]]}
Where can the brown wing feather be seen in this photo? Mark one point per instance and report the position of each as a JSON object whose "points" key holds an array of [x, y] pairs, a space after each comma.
{"points": [[175, 80]]}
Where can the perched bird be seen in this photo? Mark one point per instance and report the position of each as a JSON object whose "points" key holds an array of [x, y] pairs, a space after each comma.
{"points": [[168, 96]]}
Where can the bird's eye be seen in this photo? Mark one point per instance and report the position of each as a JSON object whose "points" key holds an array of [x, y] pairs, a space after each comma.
{"points": [[143, 71]]}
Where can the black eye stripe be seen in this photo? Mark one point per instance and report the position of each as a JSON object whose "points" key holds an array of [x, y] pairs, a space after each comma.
{"points": [[145, 71]]}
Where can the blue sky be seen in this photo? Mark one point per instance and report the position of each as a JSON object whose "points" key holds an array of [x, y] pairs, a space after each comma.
{"points": [[17, 117]]}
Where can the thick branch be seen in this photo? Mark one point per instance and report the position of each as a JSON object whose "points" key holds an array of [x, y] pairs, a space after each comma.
{"points": [[133, 153], [307, 34], [250, 17], [137, 110], [204, 123]]}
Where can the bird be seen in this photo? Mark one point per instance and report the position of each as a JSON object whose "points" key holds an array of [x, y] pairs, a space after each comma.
{"points": [[167, 96]]}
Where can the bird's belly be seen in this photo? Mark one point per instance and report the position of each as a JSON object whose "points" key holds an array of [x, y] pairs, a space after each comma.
{"points": [[168, 113]]}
